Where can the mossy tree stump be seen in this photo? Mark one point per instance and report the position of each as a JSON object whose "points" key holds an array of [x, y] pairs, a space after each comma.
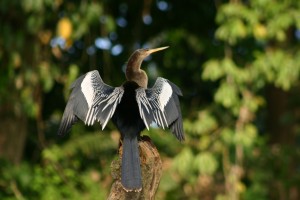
{"points": [[151, 165]]}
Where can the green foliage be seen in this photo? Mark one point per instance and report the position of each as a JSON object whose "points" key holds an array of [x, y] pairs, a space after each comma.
{"points": [[184, 162], [208, 124], [241, 136], [278, 67], [206, 163], [246, 137], [57, 176], [227, 95]]}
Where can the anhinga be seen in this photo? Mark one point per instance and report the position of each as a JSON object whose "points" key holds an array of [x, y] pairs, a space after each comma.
{"points": [[132, 107]]}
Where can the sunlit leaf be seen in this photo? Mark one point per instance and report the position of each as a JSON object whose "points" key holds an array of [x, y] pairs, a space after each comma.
{"points": [[227, 136], [32, 5], [260, 31], [227, 95], [232, 31], [205, 123], [183, 162], [64, 28], [93, 11], [212, 70], [206, 163], [246, 136]]}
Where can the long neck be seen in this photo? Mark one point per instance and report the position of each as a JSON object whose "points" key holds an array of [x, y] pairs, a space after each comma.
{"points": [[134, 72], [134, 62]]}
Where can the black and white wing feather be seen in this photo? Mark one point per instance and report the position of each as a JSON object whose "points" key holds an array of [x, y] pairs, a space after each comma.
{"points": [[91, 99], [160, 104]]}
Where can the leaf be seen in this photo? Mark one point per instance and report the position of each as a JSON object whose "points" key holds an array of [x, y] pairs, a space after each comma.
{"points": [[276, 67], [53, 154], [246, 136], [46, 76], [204, 142], [64, 28], [183, 162], [227, 135], [232, 31], [93, 12], [212, 70], [205, 123], [260, 31], [206, 163], [32, 5], [227, 95]]}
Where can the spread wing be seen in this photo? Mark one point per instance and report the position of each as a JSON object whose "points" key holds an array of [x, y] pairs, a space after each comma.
{"points": [[91, 99], [160, 104]]}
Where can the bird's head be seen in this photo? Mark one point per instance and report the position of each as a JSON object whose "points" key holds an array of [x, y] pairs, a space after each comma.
{"points": [[133, 68], [143, 53]]}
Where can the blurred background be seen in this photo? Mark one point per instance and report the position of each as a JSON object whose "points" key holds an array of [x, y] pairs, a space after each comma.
{"points": [[237, 63]]}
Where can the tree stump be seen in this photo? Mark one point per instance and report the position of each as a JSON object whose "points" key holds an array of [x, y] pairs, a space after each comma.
{"points": [[151, 165]]}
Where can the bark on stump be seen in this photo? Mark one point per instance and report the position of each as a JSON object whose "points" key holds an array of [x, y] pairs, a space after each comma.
{"points": [[151, 165]]}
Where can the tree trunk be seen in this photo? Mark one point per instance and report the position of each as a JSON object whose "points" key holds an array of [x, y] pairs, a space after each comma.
{"points": [[151, 165], [13, 131], [280, 132]]}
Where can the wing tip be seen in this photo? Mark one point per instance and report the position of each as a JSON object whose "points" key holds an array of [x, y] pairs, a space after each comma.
{"points": [[102, 127], [177, 129], [66, 124], [62, 132], [175, 88]]}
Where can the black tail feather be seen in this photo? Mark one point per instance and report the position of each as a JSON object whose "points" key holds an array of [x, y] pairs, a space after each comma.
{"points": [[131, 177]]}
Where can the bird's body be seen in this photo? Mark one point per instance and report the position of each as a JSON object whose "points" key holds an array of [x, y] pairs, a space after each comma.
{"points": [[128, 121], [132, 108], [127, 117]]}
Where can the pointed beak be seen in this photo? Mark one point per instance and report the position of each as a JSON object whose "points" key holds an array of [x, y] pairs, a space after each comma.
{"points": [[157, 49]]}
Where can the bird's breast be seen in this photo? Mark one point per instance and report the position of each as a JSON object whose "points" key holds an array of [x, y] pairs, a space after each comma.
{"points": [[127, 117]]}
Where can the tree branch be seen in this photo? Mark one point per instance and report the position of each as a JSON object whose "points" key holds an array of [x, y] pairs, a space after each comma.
{"points": [[151, 165]]}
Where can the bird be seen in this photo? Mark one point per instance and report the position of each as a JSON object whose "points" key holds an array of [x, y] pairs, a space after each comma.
{"points": [[132, 107]]}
